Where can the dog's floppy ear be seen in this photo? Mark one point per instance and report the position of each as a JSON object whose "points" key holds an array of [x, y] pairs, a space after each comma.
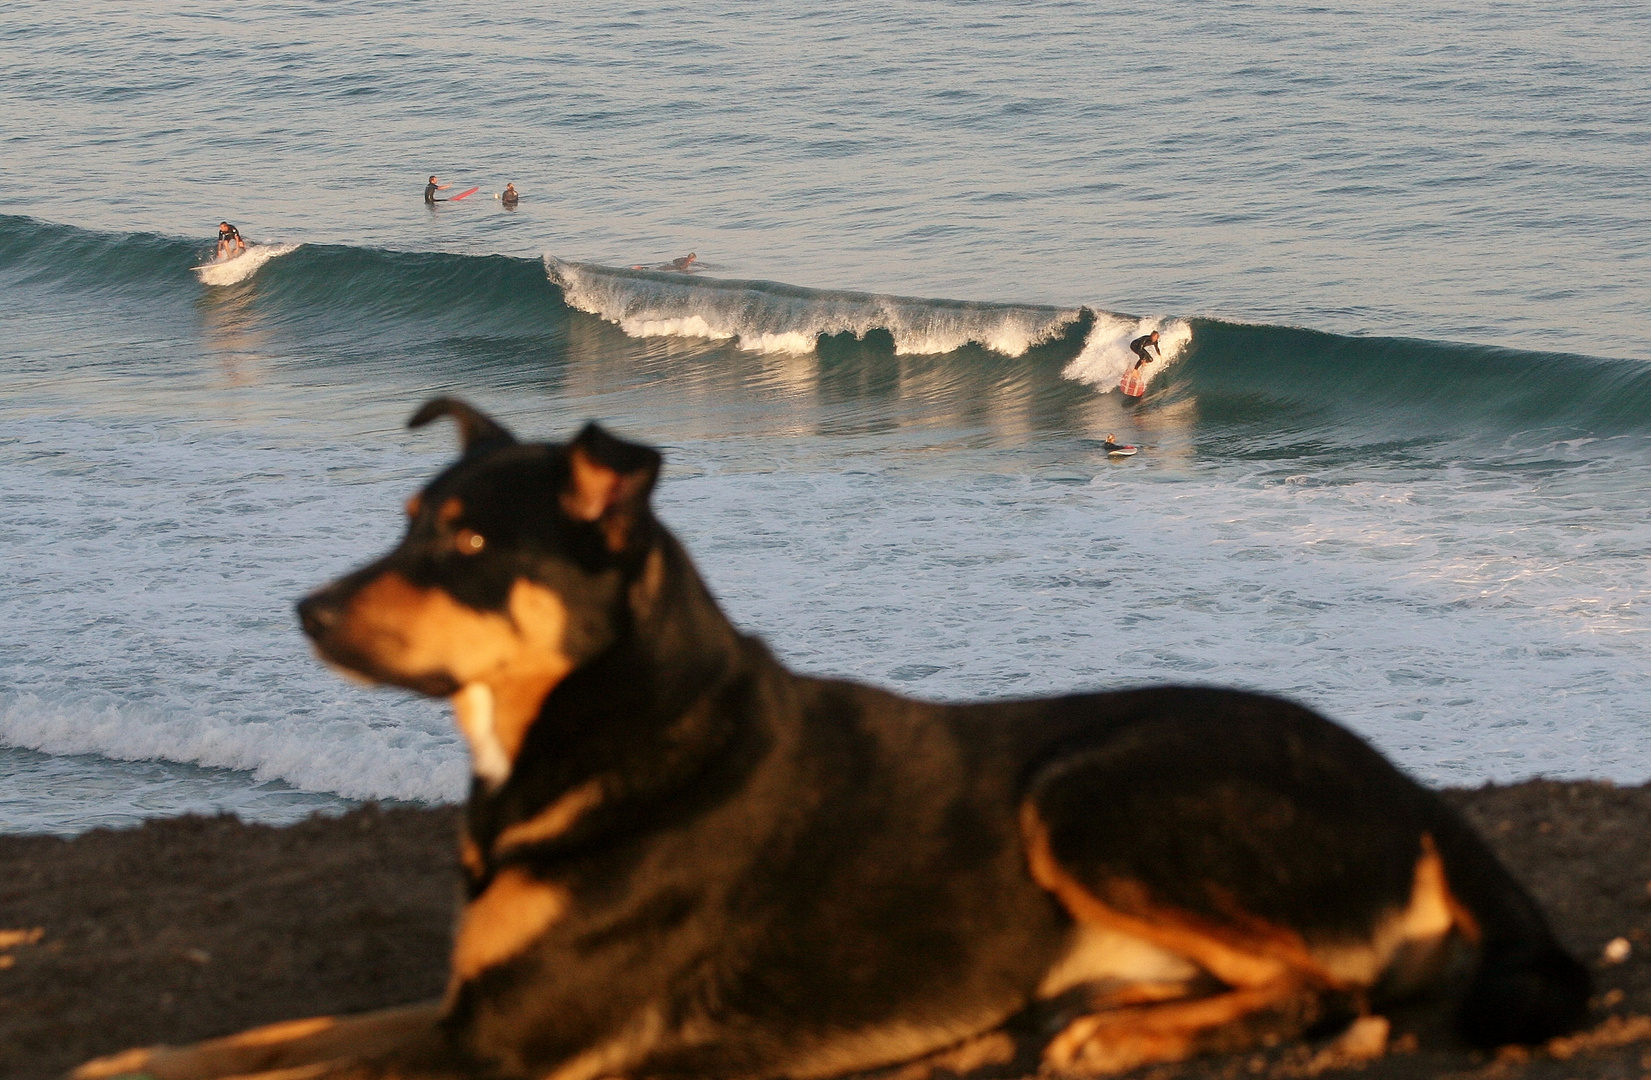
{"points": [[476, 429], [609, 481]]}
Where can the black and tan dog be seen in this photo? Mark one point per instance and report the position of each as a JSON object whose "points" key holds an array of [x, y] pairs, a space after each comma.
{"points": [[683, 860]]}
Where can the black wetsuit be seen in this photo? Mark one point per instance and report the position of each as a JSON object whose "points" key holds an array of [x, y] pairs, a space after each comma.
{"points": [[1140, 346], [508, 198], [430, 190], [232, 233]]}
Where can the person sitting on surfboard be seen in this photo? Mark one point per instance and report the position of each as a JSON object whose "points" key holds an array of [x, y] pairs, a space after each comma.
{"points": [[430, 190], [230, 243], [1140, 346], [509, 197]]}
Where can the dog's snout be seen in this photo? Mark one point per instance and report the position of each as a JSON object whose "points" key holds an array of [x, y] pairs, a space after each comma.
{"points": [[318, 613]]}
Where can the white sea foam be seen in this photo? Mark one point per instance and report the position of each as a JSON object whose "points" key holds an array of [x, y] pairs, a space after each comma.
{"points": [[236, 270], [334, 754], [769, 318], [1105, 355]]}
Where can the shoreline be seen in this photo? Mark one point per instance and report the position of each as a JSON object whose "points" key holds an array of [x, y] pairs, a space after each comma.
{"points": [[186, 928]]}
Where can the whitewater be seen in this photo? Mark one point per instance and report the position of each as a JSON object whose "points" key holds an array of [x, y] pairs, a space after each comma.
{"points": [[1394, 454]]}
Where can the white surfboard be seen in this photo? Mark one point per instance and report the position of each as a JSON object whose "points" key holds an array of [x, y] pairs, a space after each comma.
{"points": [[1123, 451]]}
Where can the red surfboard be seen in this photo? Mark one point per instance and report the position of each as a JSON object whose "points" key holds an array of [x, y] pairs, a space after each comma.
{"points": [[1132, 384], [465, 194]]}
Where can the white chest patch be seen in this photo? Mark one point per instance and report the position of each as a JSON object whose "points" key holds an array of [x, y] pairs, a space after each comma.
{"points": [[473, 709]]}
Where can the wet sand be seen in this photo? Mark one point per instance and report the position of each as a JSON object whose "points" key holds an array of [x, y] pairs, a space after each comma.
{"points": [[188, 928]]}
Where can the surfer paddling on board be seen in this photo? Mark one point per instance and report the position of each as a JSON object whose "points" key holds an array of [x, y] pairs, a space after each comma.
{"points": [[1140, 346], [430, 190], [1114, 448], [230, 243]]}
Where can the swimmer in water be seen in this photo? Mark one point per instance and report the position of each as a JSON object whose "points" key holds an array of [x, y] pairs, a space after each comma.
{"points": [[684, 264], [230, 243], [430, 190], [509, 198], [1140, 346]]}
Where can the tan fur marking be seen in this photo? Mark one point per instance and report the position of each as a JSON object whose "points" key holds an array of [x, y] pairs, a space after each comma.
{"points": [[516, 655], [127, 1061], [450, 511], [645, 590], [504, 920], [284, 1031], [470, 856], [550, 822], [592, 488], [1411, 945], [1256, 954], [614, 1057], [414, 505], [520, 687], [1100, 954], [1124, 1039], [289, 1051]]}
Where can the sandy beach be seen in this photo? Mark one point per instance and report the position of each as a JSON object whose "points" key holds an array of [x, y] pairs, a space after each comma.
{"points": [[188, 928]]}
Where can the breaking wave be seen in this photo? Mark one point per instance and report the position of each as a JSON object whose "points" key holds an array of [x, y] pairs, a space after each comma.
{"points": [[769, 317]]}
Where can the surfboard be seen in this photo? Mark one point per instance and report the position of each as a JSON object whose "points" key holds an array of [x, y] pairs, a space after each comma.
{"points": [[1132, 384], [1124, 451], [465, 194]]}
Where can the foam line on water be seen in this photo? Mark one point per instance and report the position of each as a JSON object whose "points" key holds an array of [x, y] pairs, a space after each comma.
{"points": [[319, 754], [774, 318]]}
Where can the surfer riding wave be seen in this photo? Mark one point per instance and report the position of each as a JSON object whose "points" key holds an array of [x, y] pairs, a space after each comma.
{"points": [[230, 243]]}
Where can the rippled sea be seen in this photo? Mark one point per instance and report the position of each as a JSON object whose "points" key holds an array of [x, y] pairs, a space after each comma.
{"points": [[1395, 460]]}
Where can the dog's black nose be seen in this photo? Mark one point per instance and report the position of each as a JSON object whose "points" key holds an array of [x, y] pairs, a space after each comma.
{"points": [[317, 613]]}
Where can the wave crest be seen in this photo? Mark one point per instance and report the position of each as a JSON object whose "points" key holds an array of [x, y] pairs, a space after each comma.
{"points": [[769, 317]]}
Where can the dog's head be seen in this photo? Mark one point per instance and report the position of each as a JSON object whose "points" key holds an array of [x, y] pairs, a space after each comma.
{"points": [[512, 573]]}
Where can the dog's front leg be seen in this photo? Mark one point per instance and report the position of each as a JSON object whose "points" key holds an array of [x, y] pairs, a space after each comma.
{"points": [[405, 1043]]}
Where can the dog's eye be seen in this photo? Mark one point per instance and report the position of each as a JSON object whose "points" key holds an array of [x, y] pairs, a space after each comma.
{"points": [[469, 541]]}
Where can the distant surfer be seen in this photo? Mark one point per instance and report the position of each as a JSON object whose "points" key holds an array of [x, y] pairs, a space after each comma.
{"points": [[1112, 443], [1140, 346], [430, 190], [230, 243], [684, 265], [508, 199]]}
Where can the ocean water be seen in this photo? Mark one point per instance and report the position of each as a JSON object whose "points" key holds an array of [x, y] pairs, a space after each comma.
{"points": [[1396, 458]]}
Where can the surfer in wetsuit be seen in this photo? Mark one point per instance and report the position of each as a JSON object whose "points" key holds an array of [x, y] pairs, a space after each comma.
{"points": [[430, 190], [230, 243], [1140, 346], [683, 263], [1111, 443], [508, 199]]}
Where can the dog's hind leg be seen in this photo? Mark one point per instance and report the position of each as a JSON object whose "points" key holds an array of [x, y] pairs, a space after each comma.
{"points": [[392, 1044], [1271, 989]]}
